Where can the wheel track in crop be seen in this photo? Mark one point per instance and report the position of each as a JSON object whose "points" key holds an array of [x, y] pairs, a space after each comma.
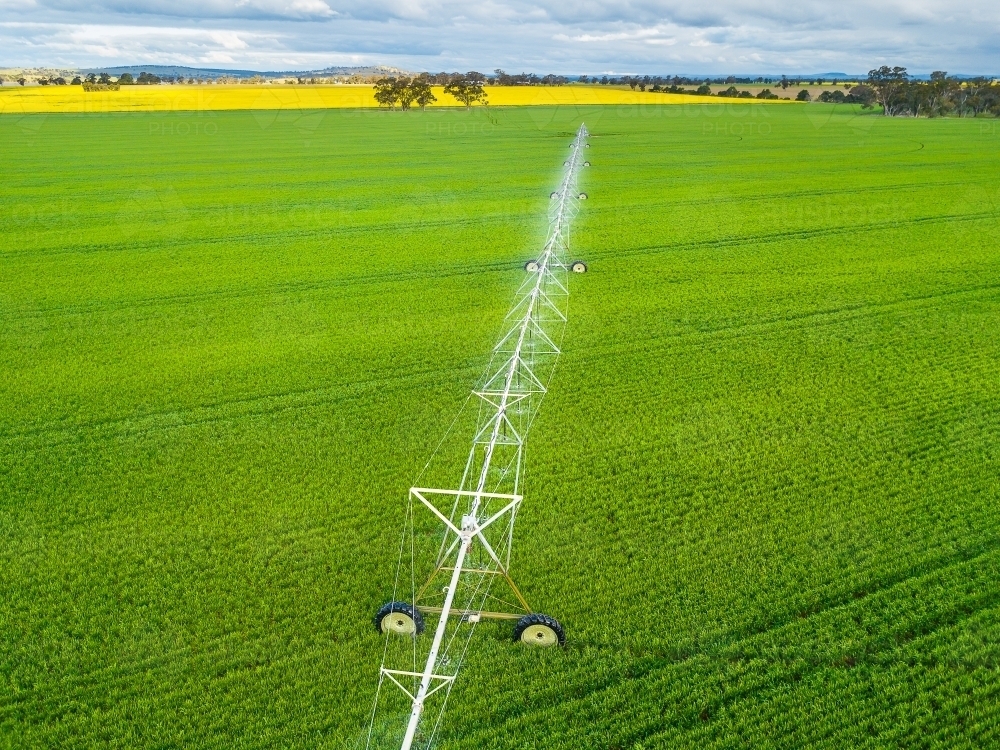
{"points": [[123, 681], [921, 570], [453, 271], [845, 600], [943, 403], [352, 282], [743, 240], [720, 652], [321, 232], [947, 535], [741, 199], [816, 318], [790, 669], [246, 407]]}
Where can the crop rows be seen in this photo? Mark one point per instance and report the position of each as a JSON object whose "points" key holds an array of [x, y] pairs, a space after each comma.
{"points": [[761, 494]]}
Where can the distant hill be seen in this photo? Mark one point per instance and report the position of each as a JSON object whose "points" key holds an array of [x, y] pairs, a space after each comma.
{"points": [[370, 70], [171, 70], [864, 76], [212, 73], [773, 76]]}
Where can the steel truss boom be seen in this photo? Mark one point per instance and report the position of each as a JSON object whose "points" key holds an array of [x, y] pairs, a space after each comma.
{"points": [[478, 529]]}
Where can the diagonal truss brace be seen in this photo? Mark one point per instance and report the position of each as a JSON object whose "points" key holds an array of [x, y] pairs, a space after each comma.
{"points": [[445, 679], [471, 530]]}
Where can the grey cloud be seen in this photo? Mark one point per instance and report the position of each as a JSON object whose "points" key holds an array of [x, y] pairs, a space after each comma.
{"points": [[587, 37], [191, 9], [437, 12]]}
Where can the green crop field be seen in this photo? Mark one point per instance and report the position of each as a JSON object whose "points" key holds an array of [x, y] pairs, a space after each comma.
{"points": [[762, 494]]}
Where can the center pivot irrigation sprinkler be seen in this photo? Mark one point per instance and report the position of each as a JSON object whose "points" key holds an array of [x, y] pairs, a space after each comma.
{"points": [[474, 554]]}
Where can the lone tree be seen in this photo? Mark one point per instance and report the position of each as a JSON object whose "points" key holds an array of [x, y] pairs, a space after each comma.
{"points": [[468, 89], [125, 79], [420, 88], [387, 92], [889, 84], [803, 96], [404, 93]]}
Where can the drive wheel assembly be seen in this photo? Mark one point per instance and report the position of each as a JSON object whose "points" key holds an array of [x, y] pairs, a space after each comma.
{"points": [[400, 618], [539, 630], [531, 266], [578, 266], [583, 196]]}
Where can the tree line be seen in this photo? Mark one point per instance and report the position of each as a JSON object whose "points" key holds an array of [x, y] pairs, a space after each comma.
{"points": [[664, 83], [125, 79], [900, 95], [702, 87], [500, 78]]}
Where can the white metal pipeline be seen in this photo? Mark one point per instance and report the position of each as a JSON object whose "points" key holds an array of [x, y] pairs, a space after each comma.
{"points": [[428, 674], [526, 321], [470, 528]]}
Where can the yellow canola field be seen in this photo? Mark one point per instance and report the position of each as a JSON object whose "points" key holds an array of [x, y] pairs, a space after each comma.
{"points": [[178, 98]]}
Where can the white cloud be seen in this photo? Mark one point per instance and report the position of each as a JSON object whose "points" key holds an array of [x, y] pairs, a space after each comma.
{"points": [[619, 36], [228, 40], [217, 57], [104, 44]]}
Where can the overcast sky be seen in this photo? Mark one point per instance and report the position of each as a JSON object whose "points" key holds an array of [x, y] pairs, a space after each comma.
{"points": [[587, 36]]}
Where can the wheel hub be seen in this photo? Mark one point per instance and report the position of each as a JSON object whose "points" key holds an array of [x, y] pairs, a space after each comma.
{"points": [[398, 622], [539, 635]]}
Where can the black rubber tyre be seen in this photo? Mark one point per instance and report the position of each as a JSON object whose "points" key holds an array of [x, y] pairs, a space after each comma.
{"points": [[578, 266], [553, 196], [408, 620], [539, 630], [565, 163], [531, 266], [586, 145], [586, 164], [583, 196]]}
